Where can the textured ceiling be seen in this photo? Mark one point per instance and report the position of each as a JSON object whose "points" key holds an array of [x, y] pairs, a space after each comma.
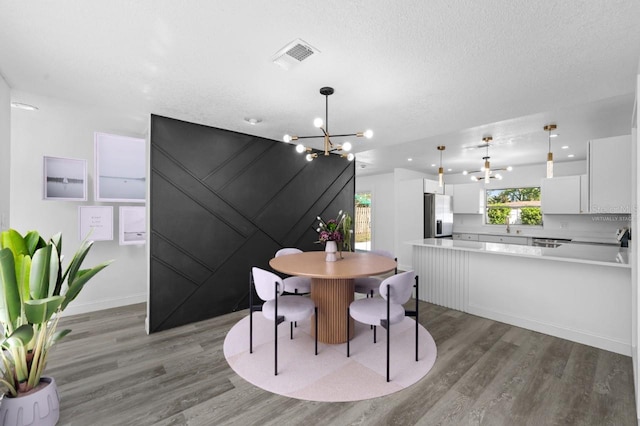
{"points": [[418, 73]]}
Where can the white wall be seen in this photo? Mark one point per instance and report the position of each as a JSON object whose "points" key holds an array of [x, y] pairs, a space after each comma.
{"points": [[63, 129], [382, 188], [5, 152], [635, 258], [396, 212], [409, 213]]}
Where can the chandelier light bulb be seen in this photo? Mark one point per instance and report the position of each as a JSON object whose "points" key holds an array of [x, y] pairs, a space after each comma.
{"points": [[309, 157], [368, 134], [509, 168], [473, 178], [498, 176], [318, 122], [351, 157], [300, 148], [346, 146], [287, 138], [465, 172]]}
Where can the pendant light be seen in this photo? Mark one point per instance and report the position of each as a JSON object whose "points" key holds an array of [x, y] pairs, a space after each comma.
{"points": [[440, 169], [487, 166], [549, 128], [328, 146]]}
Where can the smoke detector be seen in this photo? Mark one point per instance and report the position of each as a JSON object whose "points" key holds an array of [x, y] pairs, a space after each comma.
{"points": [[293, 53]]}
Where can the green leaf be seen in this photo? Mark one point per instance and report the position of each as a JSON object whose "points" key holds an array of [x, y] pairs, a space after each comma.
{"points": [[10, 296], [34, 241], [58, 335], [81, 279], [54, 270], [39, 277], [13, 240], [77, 260], [19, 338], [23, 270], [40, 311], [56, 240]]}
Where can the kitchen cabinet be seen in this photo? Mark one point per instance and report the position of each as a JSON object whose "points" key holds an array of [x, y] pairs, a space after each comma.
{"points": [[563, 195], [432, 187], [504, 239], [465, 237], [609, 171], [468, 199]]}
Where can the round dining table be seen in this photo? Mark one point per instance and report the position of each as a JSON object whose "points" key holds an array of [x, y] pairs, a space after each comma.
{"points": [[332, 285]]}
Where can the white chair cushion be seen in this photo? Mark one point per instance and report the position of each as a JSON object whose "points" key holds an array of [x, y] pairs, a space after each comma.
{"points": [[293, 308], [372, 310], [302, 284], [364, 285]]}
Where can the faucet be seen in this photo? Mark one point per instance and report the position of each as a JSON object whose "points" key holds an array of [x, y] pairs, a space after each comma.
{"points": [[506, 221]]}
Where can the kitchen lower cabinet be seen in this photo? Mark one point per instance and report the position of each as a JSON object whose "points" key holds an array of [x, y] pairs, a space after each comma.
{"points": [[504, 239]]}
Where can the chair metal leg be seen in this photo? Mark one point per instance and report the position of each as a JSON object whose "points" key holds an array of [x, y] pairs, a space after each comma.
{"points": [[348, 330], [275, 333], [374, 334], [250, 312], [417, 317], [316, 315], [388, 330], [291, 327]]}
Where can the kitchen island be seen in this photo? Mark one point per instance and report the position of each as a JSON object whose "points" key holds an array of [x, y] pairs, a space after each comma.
{"points": [[577, 292]]}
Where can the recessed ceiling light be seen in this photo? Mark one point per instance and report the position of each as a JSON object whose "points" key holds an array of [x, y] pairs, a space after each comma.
{"points": [[409, 159], [565, 147], [555, 135], [449, 170], [26, 107], [570, 155], [433, 165], [253, 121]]}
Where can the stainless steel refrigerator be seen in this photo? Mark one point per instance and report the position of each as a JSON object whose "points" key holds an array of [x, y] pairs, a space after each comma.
{"points": [[438, 216]]}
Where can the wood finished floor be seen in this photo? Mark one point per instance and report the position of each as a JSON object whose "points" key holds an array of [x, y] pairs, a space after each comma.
{"points": [[109, 372]]}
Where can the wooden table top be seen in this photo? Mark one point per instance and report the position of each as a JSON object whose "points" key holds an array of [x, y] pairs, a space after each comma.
{"points": [[313, 264]]}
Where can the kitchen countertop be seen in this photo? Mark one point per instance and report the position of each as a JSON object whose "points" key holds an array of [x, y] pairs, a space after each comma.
{"points": [[605, 255], [574, 239]]}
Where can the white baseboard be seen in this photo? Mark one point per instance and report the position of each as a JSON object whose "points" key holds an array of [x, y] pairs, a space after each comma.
{"points": [[578, 336], [75, 308]]}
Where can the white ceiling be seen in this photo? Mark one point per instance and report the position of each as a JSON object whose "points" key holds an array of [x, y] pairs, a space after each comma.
{"points": [[419, 73]]}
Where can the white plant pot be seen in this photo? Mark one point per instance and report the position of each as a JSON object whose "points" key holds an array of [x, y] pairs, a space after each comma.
{"points": [[331, 250], [41, 408]]}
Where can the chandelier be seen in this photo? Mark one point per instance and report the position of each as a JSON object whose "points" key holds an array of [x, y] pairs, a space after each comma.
{"points": [[549, 128], [486, 173], [329, 146]]}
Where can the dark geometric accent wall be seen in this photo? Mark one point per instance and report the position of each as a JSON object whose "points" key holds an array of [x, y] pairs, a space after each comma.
{"points": [[222, 202]]}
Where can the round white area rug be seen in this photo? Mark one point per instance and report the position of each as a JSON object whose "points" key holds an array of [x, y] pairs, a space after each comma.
{"points": [[330, 376]]}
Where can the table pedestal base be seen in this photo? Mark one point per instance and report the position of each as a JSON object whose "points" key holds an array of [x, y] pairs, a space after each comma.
{"points": [[332, 297]]}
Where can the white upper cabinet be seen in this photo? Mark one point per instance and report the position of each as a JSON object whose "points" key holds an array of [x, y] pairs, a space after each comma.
{"points": [[609, 170], [468, 198], [562, 195], [432, 187]]}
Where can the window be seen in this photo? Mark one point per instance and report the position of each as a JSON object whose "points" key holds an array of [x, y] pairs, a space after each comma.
{"points": [[518, 206]]}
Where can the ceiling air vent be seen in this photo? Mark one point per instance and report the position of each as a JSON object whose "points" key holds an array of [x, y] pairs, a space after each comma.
{"points": [[293, 53]]}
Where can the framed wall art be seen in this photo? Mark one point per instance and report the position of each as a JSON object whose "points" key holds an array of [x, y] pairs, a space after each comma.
{"points": [[133, 225], [64, 179], [120, 166], [96, 222]]}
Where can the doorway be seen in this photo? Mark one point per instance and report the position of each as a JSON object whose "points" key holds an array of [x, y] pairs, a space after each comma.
{"points": [[363, 221]]}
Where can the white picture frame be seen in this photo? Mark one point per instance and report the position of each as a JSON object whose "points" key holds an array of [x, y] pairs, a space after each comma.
{"points": [[133, 225], [120, 168], [64, 179], [96, 222]]}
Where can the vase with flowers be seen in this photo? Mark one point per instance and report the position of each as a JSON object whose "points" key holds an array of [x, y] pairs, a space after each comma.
{"points": [[335, 234]]}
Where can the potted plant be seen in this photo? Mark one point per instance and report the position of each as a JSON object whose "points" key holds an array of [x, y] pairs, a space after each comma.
{"points": [[34, 291], [335, 234]]}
